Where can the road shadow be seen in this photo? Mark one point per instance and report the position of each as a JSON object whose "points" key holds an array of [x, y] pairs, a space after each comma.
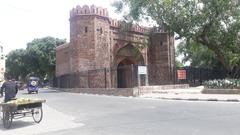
{"points": [[50, 91], [42, 91], [17, 124]]}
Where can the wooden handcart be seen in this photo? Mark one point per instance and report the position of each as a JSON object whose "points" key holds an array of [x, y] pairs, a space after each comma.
{"points": [[12, 111]]}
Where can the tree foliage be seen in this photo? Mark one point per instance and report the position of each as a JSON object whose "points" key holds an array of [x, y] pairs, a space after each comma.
{"points": [[214, 24], [16, 63], [37, 59], [179, 64], [197, 55]]}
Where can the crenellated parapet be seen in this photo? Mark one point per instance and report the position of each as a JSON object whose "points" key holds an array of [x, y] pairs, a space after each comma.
{"points": [[140, 29], [86, 10], [99, 11], [115, 22], [136, 28]]}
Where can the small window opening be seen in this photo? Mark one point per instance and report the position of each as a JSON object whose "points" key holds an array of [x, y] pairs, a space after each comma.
{"points": [[101, 31], [86, 29], [161, 43]]}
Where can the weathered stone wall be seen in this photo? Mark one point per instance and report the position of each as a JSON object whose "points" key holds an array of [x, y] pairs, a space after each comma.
{"points": [[62, 60], [99, 78], [82, 43], [102, 45], [160, 60]]}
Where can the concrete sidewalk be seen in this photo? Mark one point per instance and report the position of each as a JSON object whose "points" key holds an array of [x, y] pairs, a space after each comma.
{"points": [[191, 94], [53, 120]]}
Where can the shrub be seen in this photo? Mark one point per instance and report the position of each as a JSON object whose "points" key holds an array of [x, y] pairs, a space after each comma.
{"points": [[222, 84]]}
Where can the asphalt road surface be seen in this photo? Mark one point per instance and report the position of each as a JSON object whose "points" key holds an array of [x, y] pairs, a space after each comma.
{"points": [[82, 114]]}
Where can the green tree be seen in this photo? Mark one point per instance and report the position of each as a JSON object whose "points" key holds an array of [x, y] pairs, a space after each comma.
{"points": [[197, 55], [42, 56], [39, 59], [16, 63], [214, 24], [179, 64]]}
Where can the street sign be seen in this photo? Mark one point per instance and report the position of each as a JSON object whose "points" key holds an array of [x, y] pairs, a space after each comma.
{"points": [[182, 75], [142, 70]]}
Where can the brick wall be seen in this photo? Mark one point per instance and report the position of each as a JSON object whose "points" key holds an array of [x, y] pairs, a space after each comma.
{"points": [[62, 60], [82, 43], [160, 61]]}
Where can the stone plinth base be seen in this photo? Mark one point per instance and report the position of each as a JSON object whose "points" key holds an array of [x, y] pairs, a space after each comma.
{"points": [[150, 89], [123, 91], [221, 91], [103, 91]]}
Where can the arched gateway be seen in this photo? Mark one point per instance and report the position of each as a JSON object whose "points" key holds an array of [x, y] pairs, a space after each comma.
{"points": [[129, 58], [100, 55]]}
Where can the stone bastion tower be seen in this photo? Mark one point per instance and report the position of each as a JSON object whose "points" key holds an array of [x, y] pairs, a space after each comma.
{"points": [[99, 55]]}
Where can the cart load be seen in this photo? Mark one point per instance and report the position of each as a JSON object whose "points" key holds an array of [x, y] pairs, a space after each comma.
{"points": [[23, 101], [19, 108]]}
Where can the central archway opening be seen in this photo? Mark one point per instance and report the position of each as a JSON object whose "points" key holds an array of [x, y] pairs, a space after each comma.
{"points": [[129, 57], [125, 74]]}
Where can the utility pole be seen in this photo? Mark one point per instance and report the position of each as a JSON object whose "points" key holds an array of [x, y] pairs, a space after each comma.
{"points": [[2, 63]]}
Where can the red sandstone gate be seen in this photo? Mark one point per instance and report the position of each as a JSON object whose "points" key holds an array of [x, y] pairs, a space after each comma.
{"points": [[99, 51]]}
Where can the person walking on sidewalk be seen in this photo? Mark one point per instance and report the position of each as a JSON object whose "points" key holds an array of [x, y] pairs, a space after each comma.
{"points": [[10, 89]]}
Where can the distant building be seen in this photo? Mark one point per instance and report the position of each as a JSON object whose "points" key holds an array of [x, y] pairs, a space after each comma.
{"points": [[101, 55], [2, 63]]}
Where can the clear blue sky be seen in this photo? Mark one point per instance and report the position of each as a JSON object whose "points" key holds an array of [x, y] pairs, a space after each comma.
{"points": [[24, 20]]}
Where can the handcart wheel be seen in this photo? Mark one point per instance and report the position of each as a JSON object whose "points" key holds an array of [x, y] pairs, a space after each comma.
{"points": [[7, 119], [37, 114]]}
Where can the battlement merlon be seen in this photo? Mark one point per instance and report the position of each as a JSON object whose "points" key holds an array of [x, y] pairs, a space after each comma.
{"points": [[136, 28], [103, 12], [86, 10]]}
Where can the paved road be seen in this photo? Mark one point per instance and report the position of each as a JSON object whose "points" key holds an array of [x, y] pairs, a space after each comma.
{"points": [[80, 114]]}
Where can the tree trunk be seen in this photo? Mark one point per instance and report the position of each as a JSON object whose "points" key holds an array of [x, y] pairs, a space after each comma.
{"points": [[220, 56]]}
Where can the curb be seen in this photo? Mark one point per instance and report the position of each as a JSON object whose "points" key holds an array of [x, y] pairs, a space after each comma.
{"points": [[197, 99]]}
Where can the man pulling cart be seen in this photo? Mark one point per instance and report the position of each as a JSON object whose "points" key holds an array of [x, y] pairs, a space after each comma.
{"points": [[9, 88], [13, 108], [20, 108]]}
